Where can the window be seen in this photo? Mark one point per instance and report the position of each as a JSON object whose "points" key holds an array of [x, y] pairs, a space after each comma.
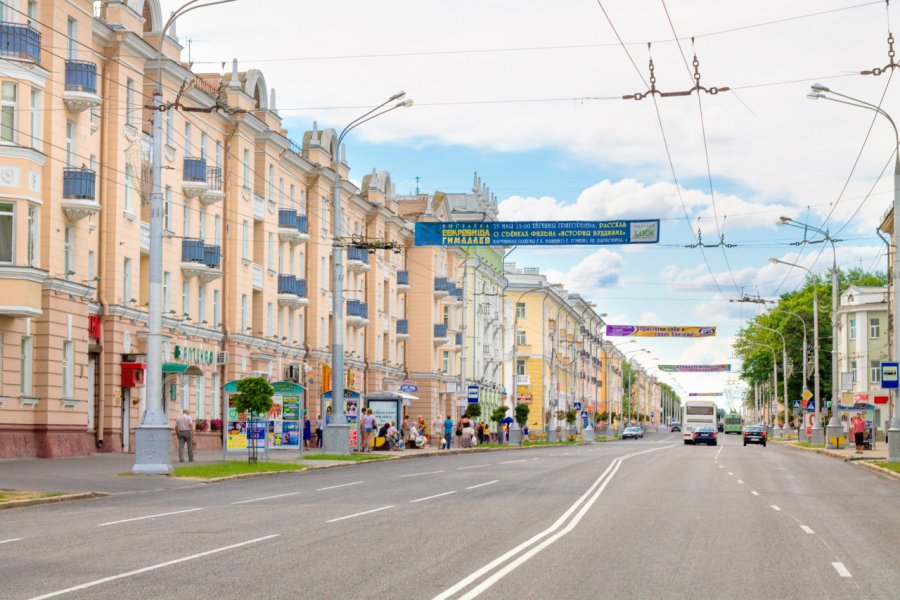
{"points": [[7, 230], [185, 299], [35, 118], [216, 319], [245, 242], [875, 371], [291, 256], [126, 281], [8, 113], [216, 398], [170, 115], [853, 370], [186, 220], [281, 336], [520, 338], [875, 328], [270, 319], [293, 198], [446, 359], [188, 146], [247, 169], [290, 328], [520, 310], [446, 319], [92, 268], [31, 11], [167, 292], [218, 153], [33, 237], [68, 370], [167, 210], [271, 183], [322, 333], [69, 251], [201, 397], [271, 251], [852, 329], [25, 376], [129, 102], [243, 313], [520, 367], [8, 120], [217, 231], [204, 139], [281, 196], [202, 226], [185, 392], [128, 179], [72, 41], [70, 143], [201, 304]]}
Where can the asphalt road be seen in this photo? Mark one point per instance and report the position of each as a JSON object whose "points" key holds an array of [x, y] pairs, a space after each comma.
{"points": [[637, 519]]}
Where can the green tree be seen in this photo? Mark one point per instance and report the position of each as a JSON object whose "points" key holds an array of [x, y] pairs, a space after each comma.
{"points": [[254, 396], [522, 411], [473, 410], [499, 414]]}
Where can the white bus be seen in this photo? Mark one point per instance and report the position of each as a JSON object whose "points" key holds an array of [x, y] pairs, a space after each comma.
{"points": [[695, 414]]}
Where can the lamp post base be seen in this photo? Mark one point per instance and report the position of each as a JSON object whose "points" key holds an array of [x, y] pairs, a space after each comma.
{"points": [[833, 433], [776, 431], [151, 450], [551, 435], [515, 435], [587, 434], [786, 432], [337, 439], [818, 435], [894, 442]]}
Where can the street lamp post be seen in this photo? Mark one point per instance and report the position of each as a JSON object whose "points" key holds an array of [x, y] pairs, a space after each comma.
{"points": [[784, 377], [819, 91], [630, 390], [773, 426], [833, 430], [793, 314], [337, 431], [153, 435], [818, 434]]}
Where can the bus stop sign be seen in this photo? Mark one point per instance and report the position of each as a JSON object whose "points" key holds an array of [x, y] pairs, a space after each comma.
{"points": [[889, 378]]}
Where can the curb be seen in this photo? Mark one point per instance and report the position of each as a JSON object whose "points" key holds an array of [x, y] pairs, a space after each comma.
{"points": [[51, 500], [866, 463], [880, 470]]}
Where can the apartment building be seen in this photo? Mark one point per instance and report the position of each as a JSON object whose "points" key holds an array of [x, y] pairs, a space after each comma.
{"points": [[863, 343]]}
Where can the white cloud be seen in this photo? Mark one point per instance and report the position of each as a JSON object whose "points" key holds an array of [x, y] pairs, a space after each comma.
{"points": [[591, 276]]}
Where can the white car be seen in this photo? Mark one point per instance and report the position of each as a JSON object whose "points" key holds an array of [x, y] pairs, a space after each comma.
{"points": [[632, 432]]}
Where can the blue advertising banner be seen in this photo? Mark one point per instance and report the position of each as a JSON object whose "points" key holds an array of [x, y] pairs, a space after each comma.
{"points": [[538, 233]]}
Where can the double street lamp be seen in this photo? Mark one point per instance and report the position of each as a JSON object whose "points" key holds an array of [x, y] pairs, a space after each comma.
{"points": [[819, 91], [630, 389], [784, 376]]}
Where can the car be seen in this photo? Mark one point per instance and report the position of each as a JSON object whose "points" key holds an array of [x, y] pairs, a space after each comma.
{"points": [[632, 432], [675, 426], [721, 427], [755, 434], [704, 435]]}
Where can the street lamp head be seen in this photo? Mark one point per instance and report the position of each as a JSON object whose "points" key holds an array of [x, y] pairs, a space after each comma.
{"points": [[815, 95], [396, 96], [783, 220], [774, 261], [818, 87], [405, 103]]}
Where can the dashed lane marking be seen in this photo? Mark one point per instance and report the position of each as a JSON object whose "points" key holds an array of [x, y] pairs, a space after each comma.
{"points": [[755, 493], [730, 473], [509, 462], [418, 474], [359, 514], [177, 512], [10, 540], [741, 481], [806, 529], [841, 569], [431, 497], [775, 507], [473, 467], [472, 487], [266, 498], [334, 487]]}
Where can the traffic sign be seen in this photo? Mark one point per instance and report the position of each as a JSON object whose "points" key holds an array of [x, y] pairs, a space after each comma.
{"points": [[889, 375], [811, 406], [577, 405], [473, 394], [796, 404], [806, 395]]}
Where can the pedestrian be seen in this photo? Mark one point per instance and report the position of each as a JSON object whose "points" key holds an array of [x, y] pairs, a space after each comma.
{"points": [[369, 424], [459, 429], [438, 429], [448, 431], [319, 428], [307, 432], [859, 432], [184, 428], [405, 427]]}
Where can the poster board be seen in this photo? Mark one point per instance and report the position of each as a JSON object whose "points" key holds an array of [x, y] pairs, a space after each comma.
{"points": [[280, 429]]}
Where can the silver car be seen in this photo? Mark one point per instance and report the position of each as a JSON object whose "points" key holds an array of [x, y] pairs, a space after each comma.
{"points": [[632, 432]]}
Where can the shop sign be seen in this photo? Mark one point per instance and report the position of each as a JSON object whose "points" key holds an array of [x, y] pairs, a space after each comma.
{"points": [[194, 356]]}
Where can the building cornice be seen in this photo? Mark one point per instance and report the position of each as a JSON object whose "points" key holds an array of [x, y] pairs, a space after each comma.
{"points": [[64, 286], [16, 151], [23, 273]]}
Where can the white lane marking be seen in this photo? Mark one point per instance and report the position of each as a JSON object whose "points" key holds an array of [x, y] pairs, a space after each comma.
{"points": [[841, 569], [153, 567], [266, 498], [10, 540], [541, 535], [509, 462], [806, 529], [417, 474], [535, 458], [774, 507], [755, 493], [334, 487], [741, 481], [721, 467], [359, 514], [177, 512], [431, 497], [730, 473], [472, 487], [473, 467]]}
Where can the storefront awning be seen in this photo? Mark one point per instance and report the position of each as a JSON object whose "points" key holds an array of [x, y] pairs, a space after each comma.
{"points": [[347, 394], [179, 368]]}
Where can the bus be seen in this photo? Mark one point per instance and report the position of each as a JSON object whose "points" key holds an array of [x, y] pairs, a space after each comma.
{"points": [[696, 413], [733, 422]]}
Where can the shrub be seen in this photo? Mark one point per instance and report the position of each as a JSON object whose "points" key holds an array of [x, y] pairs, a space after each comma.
{"points": [[215, 424], [201, 425]]}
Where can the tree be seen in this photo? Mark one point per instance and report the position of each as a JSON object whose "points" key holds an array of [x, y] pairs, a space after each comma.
{"points": [[522, 411], [499, 414], [473, 410], [254, 396]]}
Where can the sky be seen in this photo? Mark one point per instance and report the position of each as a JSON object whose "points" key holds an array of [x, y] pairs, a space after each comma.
{"points": [[528, 94]]}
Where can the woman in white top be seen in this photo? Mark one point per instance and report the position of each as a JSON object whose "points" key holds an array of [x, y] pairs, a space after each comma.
{"points": [[369, 424]]}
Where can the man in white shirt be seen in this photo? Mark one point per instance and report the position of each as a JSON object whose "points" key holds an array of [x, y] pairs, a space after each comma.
{"points": [[184, 428]]}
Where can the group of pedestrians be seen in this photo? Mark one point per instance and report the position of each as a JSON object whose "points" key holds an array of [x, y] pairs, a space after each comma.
{"points": [[468, 433]]}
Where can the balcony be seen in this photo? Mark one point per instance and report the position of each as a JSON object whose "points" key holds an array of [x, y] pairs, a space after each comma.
{"points": [[458, 340], [357, 313], [292, 227], [257, 277], [20, 291], [402, 329], [212, 258], [441, 287], [456, 294], [292, 291], [193, 259], [81, 86], [145, 237], [441, 337], [79, 199], [214, 192], [523, 379], [357, 260], [193, 179], [402, 281], [20, 41]]}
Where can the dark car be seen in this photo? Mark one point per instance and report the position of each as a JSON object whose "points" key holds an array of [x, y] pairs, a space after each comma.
{"points": [[675, 426], [632, 432], [704, 435], [755, 434]]}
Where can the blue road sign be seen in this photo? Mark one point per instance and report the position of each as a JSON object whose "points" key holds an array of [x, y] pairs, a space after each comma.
{"points": [[889, 376], [577, 406], [797, 404], [473, 394], [811, 406]]}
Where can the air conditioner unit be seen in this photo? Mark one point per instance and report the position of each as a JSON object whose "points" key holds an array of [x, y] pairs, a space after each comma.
{"points": [[292, 373], [221, 358]]}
